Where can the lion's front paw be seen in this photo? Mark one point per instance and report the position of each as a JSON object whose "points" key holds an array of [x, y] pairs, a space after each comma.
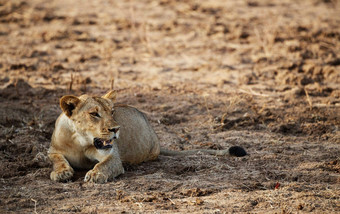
{"points": [[62, 175], [96, 176]]}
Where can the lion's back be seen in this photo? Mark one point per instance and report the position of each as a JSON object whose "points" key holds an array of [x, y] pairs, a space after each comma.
{"points": [[137, 141]]}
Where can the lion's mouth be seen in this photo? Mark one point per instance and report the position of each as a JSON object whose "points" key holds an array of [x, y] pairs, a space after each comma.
{"points": [[102, 144]]}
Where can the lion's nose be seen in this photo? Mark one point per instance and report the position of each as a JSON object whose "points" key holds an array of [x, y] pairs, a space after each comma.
{"points": [[114, 129]]}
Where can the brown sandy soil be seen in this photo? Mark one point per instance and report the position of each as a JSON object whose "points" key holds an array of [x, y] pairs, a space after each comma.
{"points": [[261, 74]]}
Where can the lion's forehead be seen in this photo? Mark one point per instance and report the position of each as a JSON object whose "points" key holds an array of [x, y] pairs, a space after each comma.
{"points": [[96, 102]]}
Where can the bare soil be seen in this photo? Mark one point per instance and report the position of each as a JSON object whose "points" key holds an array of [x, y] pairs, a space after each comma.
{"points": [[264, 75]]}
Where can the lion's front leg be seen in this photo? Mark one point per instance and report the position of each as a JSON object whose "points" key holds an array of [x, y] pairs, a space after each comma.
{"points": [[109, 166], [62, 171]]}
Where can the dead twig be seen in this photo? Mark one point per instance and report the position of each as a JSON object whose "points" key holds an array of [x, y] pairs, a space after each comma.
{"points": [[16, 87], [223, 118], [171, 201], [308, 99], [71, 83], [112, 83], [35, 205], [252, 92], [84, 84], [206, 105]]}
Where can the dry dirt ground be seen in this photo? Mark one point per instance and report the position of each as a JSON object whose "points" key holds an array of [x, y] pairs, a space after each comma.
{"points": [[261, 74]]}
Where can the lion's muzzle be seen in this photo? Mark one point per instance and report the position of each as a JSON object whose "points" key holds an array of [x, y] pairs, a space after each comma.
{"points": [[102, 144]]}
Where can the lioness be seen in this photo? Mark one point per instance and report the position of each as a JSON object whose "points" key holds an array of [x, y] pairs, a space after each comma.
{"points": [[94, 133]]}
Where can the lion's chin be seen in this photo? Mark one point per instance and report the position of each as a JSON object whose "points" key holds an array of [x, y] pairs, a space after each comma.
{"points": [[102, 144]]}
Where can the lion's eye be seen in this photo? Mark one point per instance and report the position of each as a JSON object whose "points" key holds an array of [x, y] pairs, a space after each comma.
{"points": [[94, 114]]}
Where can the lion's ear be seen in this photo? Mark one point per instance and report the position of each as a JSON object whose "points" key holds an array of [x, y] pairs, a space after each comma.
{"points": [[111, 95], [68, 103]]}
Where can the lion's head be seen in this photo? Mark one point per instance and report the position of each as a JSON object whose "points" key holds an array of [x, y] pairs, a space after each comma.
{"points": [[93, 118]]}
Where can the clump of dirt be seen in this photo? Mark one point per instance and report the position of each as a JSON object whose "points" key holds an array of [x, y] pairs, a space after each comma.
{"points": [[172, 119]]}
